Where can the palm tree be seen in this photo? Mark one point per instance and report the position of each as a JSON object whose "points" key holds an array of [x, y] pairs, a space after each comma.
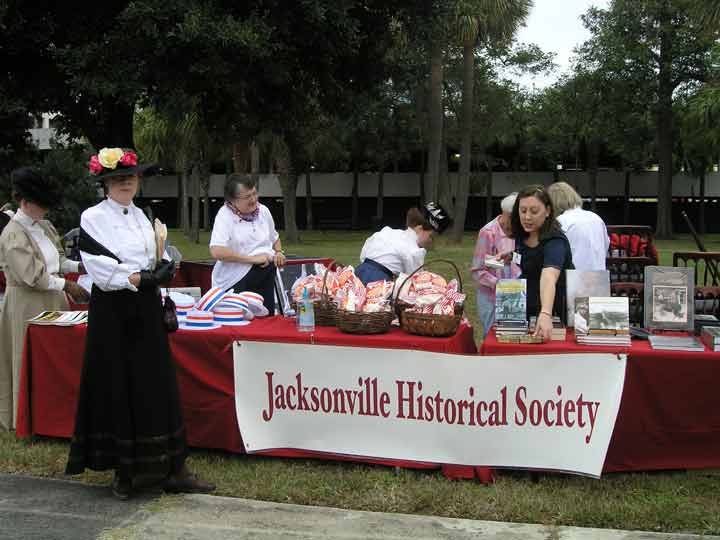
{"points": [[158, 139], [708, 12], [178, 136], [478, 21]]}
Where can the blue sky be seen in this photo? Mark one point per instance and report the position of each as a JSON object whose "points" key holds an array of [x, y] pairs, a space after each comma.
{"points": [[555, 26]]}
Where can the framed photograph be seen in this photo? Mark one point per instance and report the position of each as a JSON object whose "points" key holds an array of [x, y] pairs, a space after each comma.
{"points": [[669, 298]]}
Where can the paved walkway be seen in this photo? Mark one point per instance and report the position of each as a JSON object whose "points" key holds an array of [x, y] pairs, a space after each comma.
{"points": [[42, 509]]}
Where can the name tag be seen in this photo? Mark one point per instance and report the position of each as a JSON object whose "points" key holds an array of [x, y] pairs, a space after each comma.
{"points": [[517, 258]]}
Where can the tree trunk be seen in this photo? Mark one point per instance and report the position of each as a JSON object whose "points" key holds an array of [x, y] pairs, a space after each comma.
{"points": [[664, 228], [240, 156], [204, 178], [446, 186], [435, 143], [379, 208], [488, 193], [593, 156], [423, 166], [195, 226], [288, 183], [206, 212], [701, 216], [626, 209], [308, 201], [466, 122], [286, 170], [179, 214], [185, 203], [254, 160], [354, 195]]}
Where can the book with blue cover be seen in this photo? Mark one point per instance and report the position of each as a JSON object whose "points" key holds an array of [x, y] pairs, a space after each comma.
{"points": [[510, 300]]}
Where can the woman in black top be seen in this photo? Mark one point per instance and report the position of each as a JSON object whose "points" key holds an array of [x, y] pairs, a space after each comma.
{"points": [[544, 253]]}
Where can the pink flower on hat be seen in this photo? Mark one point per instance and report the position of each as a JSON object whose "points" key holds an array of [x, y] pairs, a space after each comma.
{"points": [[128, 159], [95, 166]]}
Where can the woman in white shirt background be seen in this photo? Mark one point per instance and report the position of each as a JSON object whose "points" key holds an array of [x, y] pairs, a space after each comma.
{"points": [[33, 260], [585, 230], [244, 242], [389, 251], [128, 415]]}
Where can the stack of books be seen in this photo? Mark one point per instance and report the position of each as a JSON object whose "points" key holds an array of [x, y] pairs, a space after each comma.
{"points": [[511, 307], [602, 320], [511, 327], [558, 330], [711, 337], [676, 343], [522, 338], [701, 321]]}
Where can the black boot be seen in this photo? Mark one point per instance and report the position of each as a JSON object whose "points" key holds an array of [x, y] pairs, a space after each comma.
{"points": [[186, 482], [121, 487]]}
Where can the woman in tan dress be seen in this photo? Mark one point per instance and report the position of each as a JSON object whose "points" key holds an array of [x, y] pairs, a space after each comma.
{"points": [[33, 259]]}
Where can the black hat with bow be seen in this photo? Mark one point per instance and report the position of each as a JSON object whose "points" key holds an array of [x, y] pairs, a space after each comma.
{"points": [[437, 217]]}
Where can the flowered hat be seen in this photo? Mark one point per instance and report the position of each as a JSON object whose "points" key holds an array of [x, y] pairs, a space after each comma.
{"points": [[112, 162]]}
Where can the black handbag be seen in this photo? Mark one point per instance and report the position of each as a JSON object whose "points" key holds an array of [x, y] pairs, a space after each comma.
{"points": [[169, 314]]}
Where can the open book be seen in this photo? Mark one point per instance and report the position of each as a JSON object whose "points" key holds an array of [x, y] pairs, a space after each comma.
{"points": [[60, 318]]}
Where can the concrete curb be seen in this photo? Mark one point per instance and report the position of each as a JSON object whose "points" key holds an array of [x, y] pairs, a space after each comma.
{"points": [[38, 508]]}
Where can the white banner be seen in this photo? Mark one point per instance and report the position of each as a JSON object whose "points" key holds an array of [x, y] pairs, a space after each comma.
{"points": [[552, 412]]}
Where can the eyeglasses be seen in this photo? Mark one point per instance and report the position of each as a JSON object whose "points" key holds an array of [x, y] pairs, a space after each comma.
{"points": [[247, 196]]}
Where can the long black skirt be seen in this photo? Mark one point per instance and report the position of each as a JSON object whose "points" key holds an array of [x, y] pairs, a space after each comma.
{"points": [[128, 414]]}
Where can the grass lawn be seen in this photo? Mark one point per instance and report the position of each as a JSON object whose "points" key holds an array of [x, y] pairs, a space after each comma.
{"points": [[664, 501]]}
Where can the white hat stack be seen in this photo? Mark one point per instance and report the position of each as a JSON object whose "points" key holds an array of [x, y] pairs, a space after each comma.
{"points": [[184, 303], [217, 307], [256, 303]]}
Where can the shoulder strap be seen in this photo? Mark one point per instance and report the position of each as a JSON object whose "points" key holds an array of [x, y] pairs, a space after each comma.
{"points": [[89, 245]]}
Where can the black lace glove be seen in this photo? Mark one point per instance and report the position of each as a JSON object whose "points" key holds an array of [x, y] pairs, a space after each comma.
{"points": [[147, 280], [164, 272]]}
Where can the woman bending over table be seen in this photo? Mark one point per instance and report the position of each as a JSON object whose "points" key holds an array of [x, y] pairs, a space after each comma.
{"points": [[128, 413], [544, 253], [389, 251], [244, 242], [32, 258]]}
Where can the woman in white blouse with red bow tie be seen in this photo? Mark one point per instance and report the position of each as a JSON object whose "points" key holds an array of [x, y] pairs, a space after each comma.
{"points": [[245, 243]]}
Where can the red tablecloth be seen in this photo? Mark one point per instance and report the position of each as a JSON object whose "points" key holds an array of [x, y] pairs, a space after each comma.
{"points": [[52, 362], [669, 416]]}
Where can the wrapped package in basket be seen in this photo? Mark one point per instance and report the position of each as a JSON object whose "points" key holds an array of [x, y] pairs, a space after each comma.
{"points": [[364, 310], [314, 284], [431, 294], [377, 297]]}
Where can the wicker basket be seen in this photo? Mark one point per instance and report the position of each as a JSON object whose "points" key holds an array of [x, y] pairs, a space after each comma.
{"points": [[427, 324], [355, 322], [325, 309]]}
